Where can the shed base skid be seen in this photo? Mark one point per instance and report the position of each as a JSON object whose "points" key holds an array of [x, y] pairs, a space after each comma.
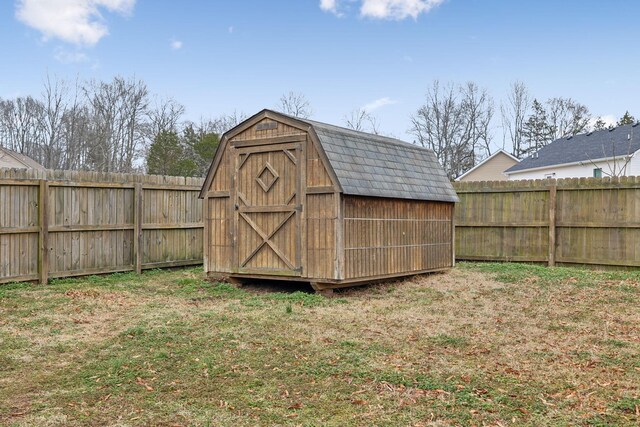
{"points": [[322, 290], [324, 287], [238, 282]]}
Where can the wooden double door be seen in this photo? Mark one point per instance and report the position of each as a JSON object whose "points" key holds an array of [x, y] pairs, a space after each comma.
{"points": [[268, 183]]}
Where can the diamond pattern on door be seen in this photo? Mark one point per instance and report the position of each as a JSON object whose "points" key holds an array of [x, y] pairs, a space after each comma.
{"points": [[267, 177]]}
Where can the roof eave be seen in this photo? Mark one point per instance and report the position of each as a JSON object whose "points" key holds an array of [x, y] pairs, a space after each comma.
{"points": [[579, 162]]}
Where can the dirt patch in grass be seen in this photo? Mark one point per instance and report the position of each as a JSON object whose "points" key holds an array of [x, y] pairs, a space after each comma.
{"points": [[484, 344]]}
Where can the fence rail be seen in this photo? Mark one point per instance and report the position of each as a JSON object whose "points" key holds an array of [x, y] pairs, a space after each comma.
{"points": [[68, 223], [589, 221], [62, 223]]}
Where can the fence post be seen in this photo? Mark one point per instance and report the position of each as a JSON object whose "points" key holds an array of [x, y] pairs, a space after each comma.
{"points": [[137, 233], [205, 233], [453, 235], [43, 232], [552, 225]]}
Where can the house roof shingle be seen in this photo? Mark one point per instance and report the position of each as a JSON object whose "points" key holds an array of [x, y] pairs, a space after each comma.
{"points": [[619, 141]]}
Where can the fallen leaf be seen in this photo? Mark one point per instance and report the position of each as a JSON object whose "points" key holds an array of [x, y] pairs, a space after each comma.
{"points": [[141, 382]]}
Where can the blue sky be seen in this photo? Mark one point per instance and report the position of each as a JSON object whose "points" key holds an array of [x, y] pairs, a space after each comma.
{"points": [[215, 57]]}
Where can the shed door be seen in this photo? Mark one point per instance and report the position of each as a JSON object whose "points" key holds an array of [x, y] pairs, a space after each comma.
{"points": [[268, 184]]}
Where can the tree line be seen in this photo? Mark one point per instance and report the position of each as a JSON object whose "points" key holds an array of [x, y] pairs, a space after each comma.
{"points": [[457, 123], [117, 126], [120, 126], [109, 126]]}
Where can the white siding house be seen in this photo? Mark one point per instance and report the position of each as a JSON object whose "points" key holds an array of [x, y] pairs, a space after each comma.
{"points": [[614, 152]]}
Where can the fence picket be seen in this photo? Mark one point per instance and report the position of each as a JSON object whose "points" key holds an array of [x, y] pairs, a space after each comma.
{"points": [[590, 221], [92, 223]]}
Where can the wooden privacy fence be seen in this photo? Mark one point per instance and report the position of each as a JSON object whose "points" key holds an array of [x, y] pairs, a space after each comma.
{"points": [[591, 221], [69, 223]]}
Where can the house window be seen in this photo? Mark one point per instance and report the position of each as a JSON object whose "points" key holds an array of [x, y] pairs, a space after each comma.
{"points": [[597, 173]]}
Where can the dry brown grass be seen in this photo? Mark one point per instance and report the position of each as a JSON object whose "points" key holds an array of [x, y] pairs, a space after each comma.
{"points": [[485, 344]]}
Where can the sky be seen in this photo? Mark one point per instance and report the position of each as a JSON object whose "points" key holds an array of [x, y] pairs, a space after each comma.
{"points": [[217, 56]]}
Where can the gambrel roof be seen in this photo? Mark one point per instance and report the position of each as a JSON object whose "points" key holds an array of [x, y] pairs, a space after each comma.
{"points": [[603, 144], [365, 164], [379, 166]]}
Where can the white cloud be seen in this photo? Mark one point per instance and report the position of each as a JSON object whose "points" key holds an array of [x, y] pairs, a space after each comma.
{"points": [[175, 44], [78, 22], [70, 56], [329, 5], [378, 103], [384, 9], [396, 9], [332, 7]]}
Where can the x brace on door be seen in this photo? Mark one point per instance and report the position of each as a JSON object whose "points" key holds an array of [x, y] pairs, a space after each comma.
{"points": [[266, 239]]}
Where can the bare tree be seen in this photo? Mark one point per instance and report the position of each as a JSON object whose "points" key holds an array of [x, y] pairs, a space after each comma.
{"points": [[478, 106], [118, 109], [75, 130], [361, 120], [228, 121], [454, 123], [567, 117], [295, 104], [164, 116], [219, 124], [20, 122], [514, 112], [161, 118], [54, 103]]}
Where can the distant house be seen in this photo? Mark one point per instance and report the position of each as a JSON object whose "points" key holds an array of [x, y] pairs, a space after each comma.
{"points": [[490, 169], [11, 159], [601, 153]]}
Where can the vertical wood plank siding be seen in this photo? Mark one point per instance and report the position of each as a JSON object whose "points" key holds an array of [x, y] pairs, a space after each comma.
{"points": [[321, 237], [589, 221], [392, 236], [86, 223]]}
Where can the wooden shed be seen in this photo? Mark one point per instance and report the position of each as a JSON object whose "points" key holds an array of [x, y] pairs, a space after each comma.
{"points": [[293, 199]]}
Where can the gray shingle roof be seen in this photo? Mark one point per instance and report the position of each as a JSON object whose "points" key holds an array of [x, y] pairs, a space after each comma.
{"points": [[378, 166], [619, 141]]}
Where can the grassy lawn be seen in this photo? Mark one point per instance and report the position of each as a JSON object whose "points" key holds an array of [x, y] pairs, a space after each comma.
{"points": [[485, 344]]}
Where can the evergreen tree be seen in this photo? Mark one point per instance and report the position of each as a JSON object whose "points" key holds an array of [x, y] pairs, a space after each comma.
{"points": [[201, 146], [204, 149], [627, 119], [537, 132], [600, 124], [167, 156]]}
